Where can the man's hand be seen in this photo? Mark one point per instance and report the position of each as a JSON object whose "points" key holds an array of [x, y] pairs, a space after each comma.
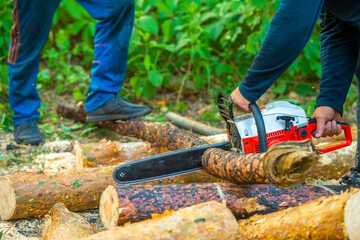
{"points": [[240, 103], [326, 125]]}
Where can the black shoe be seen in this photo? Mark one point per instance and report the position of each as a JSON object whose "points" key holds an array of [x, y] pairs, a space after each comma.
{"points": [[28, 133], [117, 109]]}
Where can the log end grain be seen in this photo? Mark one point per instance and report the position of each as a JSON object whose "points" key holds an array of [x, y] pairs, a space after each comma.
{"points": [[7, 199], [289, 163], [352, 217], [109, 207]]}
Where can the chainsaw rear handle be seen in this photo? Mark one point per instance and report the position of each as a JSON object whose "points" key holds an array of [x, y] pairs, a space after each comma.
{"points": [[334, 146], [225, 106]]}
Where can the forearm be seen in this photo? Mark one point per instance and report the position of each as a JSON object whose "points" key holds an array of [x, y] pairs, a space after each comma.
{"points": [[288, 34]]}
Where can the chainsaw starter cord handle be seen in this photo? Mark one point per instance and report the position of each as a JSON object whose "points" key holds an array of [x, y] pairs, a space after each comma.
{"points": [[260, 125]]}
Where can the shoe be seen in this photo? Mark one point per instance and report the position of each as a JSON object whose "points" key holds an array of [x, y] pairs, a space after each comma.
{"points": [[117, 109], [28, 133]]}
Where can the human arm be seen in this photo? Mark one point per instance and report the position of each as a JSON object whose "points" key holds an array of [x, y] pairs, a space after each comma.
{"points": [[339, 41]]}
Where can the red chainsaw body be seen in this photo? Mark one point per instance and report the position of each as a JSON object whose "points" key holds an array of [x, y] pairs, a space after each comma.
{"points": [[251, 144]]}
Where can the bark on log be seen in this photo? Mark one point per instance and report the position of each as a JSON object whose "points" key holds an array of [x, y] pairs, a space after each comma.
{"points": [[192, 125], [110, 153], [63, 224], [284, 164], [154, 132], [334, 165], [27, 195], [210, 220], [132, 203], [336, 217]]}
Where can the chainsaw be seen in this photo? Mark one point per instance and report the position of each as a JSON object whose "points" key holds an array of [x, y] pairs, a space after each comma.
{"points": [[276, 122]]}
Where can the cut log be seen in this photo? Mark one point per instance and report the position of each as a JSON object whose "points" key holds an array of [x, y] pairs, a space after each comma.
{"points": [[132, 203], [334, 165], [284, 164], [109, 153], [63, 224], [192, 125], [218, 138], [210, 220], [153, 132], [336, 217], [27, 194]]}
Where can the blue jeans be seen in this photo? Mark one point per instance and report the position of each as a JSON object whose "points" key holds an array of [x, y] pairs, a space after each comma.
{"points": [[32, 23]]}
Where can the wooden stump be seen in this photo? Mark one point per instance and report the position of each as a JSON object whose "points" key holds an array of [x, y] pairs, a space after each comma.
{"points": [[209, 220], [132, 203], [284, 164], [63, 224], [336, 217]]}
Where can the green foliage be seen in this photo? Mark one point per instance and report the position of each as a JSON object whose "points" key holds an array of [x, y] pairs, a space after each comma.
{"points": [[202, 45]]}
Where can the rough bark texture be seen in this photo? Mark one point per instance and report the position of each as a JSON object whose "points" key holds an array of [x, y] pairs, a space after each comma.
{"points": [[210, 220], [320, 219], [334, 165], [109, 153], [192, 125], [26, 195], [284, 164], [120, 204], [63, 224], [154, 132]]}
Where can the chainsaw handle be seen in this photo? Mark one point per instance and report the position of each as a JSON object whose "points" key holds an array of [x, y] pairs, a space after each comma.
{"points": [[260, 125], [334, 146]]}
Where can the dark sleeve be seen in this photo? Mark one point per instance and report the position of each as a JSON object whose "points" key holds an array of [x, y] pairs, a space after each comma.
{"points": [[289, 31], [339, 54]]}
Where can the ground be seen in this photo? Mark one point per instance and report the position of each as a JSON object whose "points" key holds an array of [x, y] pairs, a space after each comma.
{"points": [[65, 134]]}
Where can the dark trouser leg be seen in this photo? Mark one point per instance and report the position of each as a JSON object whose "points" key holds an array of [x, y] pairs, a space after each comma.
{"points": [[32, 23], [357, 76], [111, 40]]}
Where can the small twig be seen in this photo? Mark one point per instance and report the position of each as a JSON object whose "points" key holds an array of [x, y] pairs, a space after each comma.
{"points": [[183, 82]]}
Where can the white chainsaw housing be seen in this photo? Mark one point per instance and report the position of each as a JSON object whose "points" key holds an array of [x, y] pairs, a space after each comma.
{"points": [[246, 125]]}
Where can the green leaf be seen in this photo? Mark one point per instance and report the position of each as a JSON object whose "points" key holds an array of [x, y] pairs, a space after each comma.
{"points": [[147, 62], [279, 88], [148, 24], [155, 78], [304, 90], [167, 29], [215, 29]]}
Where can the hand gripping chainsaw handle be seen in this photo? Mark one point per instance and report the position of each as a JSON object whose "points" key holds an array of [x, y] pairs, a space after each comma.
{"points": [[225, 106], [324, 148]]}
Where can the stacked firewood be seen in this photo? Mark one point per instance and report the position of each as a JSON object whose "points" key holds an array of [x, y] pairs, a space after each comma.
{"points": [[235, 196]]}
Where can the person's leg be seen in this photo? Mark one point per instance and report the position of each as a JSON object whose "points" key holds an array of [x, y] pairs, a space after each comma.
{"points": [[113, 31], [32, 22]]}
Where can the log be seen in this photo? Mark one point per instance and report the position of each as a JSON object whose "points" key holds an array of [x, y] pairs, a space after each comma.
{"points": [[132, 203], [107, 153], [218, 138], [336, 217], [284, 164], [209, 220], [192, 125], [334, 165], [63, 224], [32, 194], [154, 132]]}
